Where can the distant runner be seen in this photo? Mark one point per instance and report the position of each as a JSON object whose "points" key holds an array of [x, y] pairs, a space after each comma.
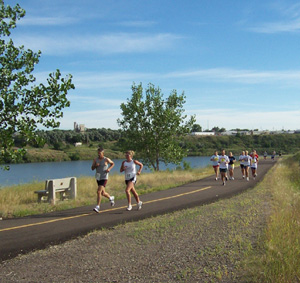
{"points": [[215, 163], [273, 155], [241, 159], [231, 166], [253, 164], [223, 160], [246, 164], [265, 155]]}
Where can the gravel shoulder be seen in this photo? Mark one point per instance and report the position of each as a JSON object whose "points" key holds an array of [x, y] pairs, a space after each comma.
{"points": [[204, 244]]}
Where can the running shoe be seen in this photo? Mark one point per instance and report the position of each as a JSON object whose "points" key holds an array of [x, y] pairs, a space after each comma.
{"points": [[224, 183], [97, 209], [243, 177], [112, 201], [139, 207], [232, 178], [247, 178], [129, 207], [216, 179]]}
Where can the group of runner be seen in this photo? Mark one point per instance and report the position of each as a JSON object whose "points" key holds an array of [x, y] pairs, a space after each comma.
{"points": [[223, 164], [103, 165]]}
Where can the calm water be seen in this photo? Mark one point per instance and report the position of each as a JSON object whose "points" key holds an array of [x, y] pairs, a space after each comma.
{"points": [[30, 172]]}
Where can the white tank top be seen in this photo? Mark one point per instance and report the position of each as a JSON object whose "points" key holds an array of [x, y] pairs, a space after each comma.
{"points": [[130, 170]]}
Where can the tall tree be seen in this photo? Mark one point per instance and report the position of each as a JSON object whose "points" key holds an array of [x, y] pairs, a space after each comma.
{"points": [[154, 126], [196, 128], [23, 104]]}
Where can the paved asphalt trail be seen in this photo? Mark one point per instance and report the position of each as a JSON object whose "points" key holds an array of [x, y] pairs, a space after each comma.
{"points": [[22, 235]]}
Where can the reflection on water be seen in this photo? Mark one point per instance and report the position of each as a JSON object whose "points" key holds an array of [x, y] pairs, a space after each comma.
{"points": [[30, 172]]}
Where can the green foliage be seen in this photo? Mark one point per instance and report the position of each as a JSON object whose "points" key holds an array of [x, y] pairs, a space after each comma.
{"points": [[23, 104], [154, 126], [206, 145], [75, 156], [196, 128]]}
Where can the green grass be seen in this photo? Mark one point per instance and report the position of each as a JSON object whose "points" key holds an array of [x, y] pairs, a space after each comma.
{"points": [[20, 200], [279, 257]]}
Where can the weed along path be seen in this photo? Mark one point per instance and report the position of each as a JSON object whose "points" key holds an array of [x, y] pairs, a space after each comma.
{"points": [[21, 235]]}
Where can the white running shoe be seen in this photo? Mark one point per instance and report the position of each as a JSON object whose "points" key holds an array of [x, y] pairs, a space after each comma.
{"points": [[232, 178], [97, 209], [247, 178], [140, 205], [243, 177], [129, 207], [224, 183], [112, 201], [216, 179]]}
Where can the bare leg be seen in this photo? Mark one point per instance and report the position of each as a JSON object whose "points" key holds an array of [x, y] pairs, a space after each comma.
{"points": [[99, 192]]}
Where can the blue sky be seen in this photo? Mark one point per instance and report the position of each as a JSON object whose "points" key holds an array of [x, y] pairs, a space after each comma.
{"points": [[238, 62]]}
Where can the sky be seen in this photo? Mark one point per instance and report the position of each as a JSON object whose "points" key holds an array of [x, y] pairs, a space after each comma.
{"points": [[237, 62]]}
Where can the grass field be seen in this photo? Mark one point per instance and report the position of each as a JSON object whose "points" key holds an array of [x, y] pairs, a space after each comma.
{"points": [[279, 257]]}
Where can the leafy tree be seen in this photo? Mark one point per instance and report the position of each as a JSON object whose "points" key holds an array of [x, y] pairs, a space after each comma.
{"points": [[218, 130], [23, 104], [154, 126], [196, 128]]}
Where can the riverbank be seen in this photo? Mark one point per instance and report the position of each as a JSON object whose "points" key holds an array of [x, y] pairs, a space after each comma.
{"points": [[252, 237]]}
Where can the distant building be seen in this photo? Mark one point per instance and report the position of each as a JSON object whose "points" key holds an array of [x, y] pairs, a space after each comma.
{"points": [[229, 133], [202, 133], [79, 127]]}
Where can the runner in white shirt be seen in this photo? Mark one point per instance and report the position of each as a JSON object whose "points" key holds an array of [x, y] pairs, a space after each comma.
{"points": [[223, 160], [241, 159], [246, 164], [253, 164], [129, 166], [215, 163]]}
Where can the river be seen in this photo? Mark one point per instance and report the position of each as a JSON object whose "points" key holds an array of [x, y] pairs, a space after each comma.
{"points": [[36, 172]]}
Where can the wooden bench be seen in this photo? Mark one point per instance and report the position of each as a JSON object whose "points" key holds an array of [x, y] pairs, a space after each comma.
{"points": [[66, 187]]}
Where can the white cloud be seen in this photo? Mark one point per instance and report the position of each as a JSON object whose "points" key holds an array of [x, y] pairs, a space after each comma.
{"points": [[92, 100], [47, 21], [104, 44], [235, 75], [277, 27], [92, 80]]}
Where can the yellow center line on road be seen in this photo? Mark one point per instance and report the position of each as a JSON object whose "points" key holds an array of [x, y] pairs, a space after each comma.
{"points": [[101, 211]]}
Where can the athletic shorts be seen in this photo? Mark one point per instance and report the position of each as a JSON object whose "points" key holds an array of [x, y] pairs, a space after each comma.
{"points": [[133, 180], [230, 166], [102, 182], [223, 170], [216, 166], [242, 166]]}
